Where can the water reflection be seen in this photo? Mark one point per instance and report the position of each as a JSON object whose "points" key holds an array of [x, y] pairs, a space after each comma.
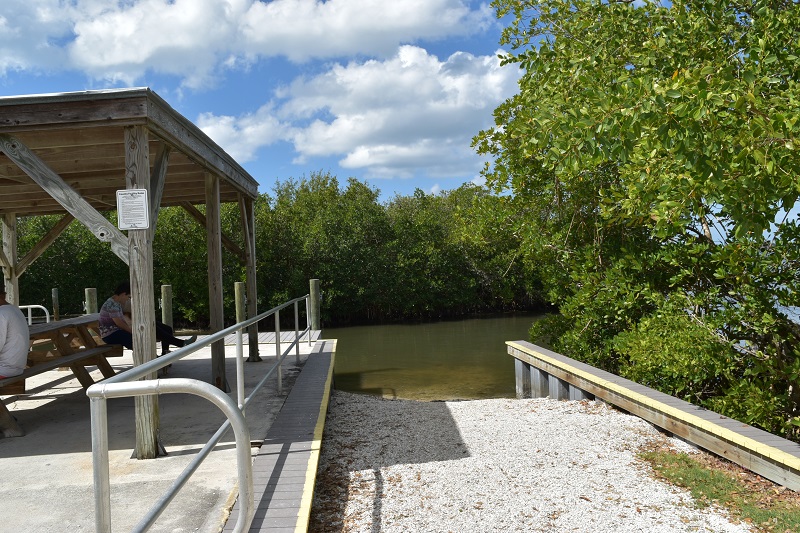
{"points": [[463, 359]]}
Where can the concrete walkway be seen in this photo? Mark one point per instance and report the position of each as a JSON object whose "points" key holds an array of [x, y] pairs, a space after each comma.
{"points": [[47, 474]]}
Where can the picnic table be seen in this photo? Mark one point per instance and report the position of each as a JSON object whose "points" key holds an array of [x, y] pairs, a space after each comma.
{"points": [[72, 343]]}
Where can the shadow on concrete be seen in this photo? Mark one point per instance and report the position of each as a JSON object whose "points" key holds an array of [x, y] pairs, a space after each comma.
{"points": [[48, 473], [56, 417]]}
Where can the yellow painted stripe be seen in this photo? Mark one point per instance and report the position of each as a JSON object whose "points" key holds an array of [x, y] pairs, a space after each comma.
{"points": [[746, 442], [304, 513]]}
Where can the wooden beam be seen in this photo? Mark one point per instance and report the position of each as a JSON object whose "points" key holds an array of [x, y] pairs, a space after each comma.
{"points": [[97, 172], [226, 241], [10, 274], [44, 243], [55, 138], [54, 113], [189, 139], [157, 183], [215, 302], [4, 261], [137, 176], [65, 195]]}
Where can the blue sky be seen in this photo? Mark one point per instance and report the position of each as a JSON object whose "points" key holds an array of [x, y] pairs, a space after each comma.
{"points": [[390, 92]]}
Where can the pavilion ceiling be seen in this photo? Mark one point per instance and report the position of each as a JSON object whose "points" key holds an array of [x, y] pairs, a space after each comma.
{"points": [[81, 137]]}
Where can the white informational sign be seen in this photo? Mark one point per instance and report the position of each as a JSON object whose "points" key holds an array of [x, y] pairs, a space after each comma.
{"points": [[132, 211]]}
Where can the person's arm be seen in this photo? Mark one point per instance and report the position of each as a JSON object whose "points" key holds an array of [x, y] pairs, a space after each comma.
{"points": [[122, 323]]}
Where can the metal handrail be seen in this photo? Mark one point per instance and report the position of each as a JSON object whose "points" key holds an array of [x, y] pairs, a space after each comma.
{"points": [[30, 309], [126, 384]]}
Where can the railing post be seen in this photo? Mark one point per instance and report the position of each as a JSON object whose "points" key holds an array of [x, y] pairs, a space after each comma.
{"points": [[314, 297], [166, 305], [278, 350], [239, 370], [91, 300], [54, 293], [102, 480], [308, 321], [296, 334]]}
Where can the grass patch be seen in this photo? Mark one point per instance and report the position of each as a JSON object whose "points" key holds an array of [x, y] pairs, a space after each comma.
{"points": [[765, 506]]}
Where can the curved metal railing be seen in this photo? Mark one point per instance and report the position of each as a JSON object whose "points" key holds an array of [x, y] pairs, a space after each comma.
{"points": [[126, 384], [30, 308]]}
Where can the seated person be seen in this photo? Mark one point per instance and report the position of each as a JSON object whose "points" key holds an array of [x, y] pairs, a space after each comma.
{"points": [[164, 333], [114, 329], [14, 339]]}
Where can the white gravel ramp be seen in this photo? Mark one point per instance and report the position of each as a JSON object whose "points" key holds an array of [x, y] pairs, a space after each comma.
{"points": [[494, 465]]}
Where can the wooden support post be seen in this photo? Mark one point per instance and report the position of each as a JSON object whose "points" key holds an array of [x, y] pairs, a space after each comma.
{"points": [[140, 254], [166, 305], [56, 312], [9, 257], [540, 383], [559, 389], [522, 376], [91, 300], [214, 244], [248, 218], [315, 298]]}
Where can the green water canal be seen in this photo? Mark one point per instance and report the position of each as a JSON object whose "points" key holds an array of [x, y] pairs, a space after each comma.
{"points": [[464, 359]]}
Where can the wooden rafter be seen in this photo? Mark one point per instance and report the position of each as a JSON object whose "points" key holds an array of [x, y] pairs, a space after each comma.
{"points": [[157, 182], [69, 199], [226, 241]]}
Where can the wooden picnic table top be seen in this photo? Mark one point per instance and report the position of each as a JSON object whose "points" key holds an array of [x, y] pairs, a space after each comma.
{"points": [[48, 327]]}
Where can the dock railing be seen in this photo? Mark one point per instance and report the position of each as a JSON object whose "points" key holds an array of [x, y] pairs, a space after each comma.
{"points": [[126, 384]]}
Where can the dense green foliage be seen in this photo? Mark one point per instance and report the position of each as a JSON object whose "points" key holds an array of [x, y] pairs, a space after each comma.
{"points": [[652, 153], [644, 181], [417, 257]]}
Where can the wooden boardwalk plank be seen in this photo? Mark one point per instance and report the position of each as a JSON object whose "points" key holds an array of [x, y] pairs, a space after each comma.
{"points": [[285, 468], [766, 454]]}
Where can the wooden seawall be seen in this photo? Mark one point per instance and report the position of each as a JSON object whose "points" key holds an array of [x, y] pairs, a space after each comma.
{"points": [[541, 373]]}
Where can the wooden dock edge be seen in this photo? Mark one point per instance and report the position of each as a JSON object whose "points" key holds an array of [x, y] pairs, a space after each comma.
{"points": [[768, 455], [304, 513], [285, 466]]}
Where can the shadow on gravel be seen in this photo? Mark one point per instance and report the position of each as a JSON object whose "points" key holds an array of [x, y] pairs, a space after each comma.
{"points": [[363, 435]]}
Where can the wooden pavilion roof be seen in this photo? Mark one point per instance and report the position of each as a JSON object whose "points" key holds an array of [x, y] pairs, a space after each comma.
{"points": [[80, 137]]}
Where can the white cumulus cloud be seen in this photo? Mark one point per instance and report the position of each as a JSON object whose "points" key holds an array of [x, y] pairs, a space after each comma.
{"points": [[390, 117], [303, 29], [198, 40]]}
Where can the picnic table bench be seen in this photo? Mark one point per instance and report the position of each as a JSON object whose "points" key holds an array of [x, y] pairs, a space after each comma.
{"points": [[68, 343]]}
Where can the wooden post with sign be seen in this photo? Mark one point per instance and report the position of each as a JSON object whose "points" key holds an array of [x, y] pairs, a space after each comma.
{"points": [[133, 215]]}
